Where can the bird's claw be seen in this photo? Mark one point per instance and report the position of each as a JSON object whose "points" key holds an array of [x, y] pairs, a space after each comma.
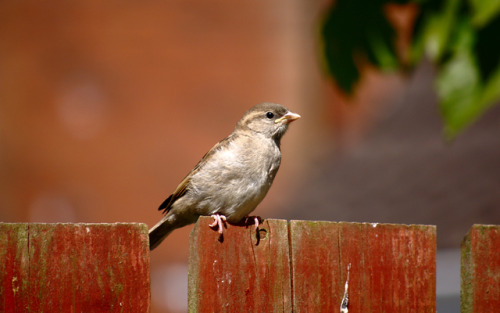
{"points": [[256, 221], [220, 221]]}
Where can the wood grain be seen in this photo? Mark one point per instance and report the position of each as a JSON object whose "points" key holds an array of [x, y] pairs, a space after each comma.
{"points": [[75, 268], [303, 265], [480, 272], [241, 273], [391, 267], [14, 268]]}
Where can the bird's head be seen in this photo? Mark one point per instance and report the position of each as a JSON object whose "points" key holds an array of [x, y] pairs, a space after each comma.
{"points": [[269, 119]]}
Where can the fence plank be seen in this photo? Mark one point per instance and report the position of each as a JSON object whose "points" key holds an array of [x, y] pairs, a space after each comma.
{"points": [[14, 271], [392, 267], [81, 267], [239, 274], [316, 266], [480, 290]]}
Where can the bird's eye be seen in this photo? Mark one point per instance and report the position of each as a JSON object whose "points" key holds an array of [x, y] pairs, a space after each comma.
{"points": [[269, 115]]}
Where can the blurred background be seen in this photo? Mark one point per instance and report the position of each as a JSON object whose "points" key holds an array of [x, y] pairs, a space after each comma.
{"points": [[106, 106]]}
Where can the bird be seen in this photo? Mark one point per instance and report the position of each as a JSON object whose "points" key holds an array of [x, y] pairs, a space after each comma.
{"points": [[233, 177]]}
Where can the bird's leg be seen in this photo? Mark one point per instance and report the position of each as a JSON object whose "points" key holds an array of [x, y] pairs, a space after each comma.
{"points": [[218, 221], [256, 221]]}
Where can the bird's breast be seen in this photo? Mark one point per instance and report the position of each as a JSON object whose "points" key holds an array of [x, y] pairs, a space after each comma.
{"points": [[237, 178]]}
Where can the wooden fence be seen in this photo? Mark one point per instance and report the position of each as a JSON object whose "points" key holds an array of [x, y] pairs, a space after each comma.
{"points": [[74, 268], [480, 290], [290, 266], [303, 266]]}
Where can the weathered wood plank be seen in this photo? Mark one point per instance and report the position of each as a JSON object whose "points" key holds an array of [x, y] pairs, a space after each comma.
{"points": [[84, 267], [239, 274], [14, 269], [480, 272], [316, 266], [392, 267]]}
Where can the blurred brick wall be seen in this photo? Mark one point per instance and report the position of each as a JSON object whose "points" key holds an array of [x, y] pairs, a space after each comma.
{"points": [[105, 106]]}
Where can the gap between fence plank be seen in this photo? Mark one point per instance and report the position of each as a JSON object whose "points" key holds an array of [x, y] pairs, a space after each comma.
{"points": [[392, 267]]}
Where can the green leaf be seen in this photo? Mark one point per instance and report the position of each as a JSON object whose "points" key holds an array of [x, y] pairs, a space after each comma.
{"points": [[461, 37], [433, 29], [484, 10], [379, 44], [458, 89], [487, 48], [355, 32], [466, 89]]}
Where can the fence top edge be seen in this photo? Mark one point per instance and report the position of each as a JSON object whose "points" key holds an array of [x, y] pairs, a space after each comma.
{"points": [[492, 226], [374, 225], [139, 225], [362, 224]]}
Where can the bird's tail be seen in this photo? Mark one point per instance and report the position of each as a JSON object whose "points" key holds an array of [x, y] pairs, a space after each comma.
{"points": [[159, 232]]}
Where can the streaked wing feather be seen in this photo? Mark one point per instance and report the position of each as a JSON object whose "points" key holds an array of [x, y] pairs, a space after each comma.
{"points": [[184, 184]]}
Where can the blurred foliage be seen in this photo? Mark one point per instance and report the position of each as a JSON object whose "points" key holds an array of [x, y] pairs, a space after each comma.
{"points": [[461, 37]]}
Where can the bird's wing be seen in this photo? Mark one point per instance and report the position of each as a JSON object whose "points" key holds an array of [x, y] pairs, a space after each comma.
{"points": [[184, 184]]}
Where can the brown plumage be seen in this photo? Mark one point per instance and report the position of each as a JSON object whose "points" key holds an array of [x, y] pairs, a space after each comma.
{"points": [[233, 177]]}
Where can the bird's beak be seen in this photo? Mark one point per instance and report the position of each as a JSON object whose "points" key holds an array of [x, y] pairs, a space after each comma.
{"points": [[288, 118]]}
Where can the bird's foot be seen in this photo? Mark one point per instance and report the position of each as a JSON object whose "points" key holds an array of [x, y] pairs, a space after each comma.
{"points": [[256, 221], [220, 221]]}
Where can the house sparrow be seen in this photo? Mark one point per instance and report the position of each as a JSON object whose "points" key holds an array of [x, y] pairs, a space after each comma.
{"points": [[233, 177]]}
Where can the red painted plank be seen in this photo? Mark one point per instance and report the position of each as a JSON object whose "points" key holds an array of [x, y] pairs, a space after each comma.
{"points": [[480, 271], [13, 268], [316, 271], [392, 267], [239, 274], [85, 268]]}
